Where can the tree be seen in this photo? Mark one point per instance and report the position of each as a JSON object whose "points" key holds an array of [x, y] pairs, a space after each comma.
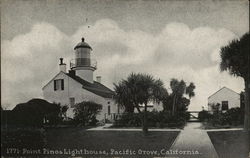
{"points": [[176, 98], [235, 59], [123, 93], [178, 89], [35, 111], [139, 89], [86, 111], [190, 90]]}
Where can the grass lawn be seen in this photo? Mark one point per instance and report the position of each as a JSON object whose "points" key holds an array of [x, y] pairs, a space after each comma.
{"points": [[98, 143], [229, 144], [107, 140], [207, 125], [131, 127]]}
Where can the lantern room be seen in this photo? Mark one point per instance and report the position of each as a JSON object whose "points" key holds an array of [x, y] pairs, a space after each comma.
{"points": [[82, 63]]}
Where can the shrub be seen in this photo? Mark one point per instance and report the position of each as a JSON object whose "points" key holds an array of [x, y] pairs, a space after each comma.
{"points": [[204, 115], [69, 122], [129, 120], [85, 113], [154, 119], [34, 112], [178, 120], [234, 116], [218, 119]]}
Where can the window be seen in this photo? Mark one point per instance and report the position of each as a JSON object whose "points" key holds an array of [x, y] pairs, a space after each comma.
{"points": [[72, 101], [224, 105], [58, 84]]}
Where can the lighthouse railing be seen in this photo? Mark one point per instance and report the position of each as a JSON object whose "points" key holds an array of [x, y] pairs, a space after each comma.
{"points": [[83, 62]]}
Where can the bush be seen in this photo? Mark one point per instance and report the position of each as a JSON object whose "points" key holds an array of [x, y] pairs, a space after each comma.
{"points": [[204, 115], [154, 119], [69, 122], [218, 119], [85, 113], [33, 113], [234, 116], [129, 120]]}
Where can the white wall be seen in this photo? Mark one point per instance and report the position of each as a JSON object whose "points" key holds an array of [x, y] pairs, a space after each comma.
{"points": [[85, 73], [74, 89], [224, 94], [156, 107]]}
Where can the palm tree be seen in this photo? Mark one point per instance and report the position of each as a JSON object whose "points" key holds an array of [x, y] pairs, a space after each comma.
{"points": [[179, 88], [139, 89], [190, 90], [235, 59], [121, 97]]}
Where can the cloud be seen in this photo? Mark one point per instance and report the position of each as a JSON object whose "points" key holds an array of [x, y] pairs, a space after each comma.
{"points": [[30, 60], [27, 62]]}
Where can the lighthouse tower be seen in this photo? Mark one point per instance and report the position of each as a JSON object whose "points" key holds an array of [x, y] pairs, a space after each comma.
{"points": [[83, 65]]}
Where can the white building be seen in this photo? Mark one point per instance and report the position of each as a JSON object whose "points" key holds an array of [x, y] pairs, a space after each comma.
{"points": [[225, 99], [77, 85], [152, 106]]}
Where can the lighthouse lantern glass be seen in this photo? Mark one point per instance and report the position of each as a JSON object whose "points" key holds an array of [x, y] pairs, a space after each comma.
{"points": [[82, 56]]}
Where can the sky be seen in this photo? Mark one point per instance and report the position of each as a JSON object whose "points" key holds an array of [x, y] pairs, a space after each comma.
{"points": [[167, 39]]}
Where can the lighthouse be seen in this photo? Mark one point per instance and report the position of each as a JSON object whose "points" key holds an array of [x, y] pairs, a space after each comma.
{"points": [[82, 64], [77, 85]]}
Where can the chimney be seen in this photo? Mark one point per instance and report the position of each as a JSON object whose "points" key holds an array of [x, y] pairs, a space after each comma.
{"points": [[62, 66], [72, 73], [98, 79]]}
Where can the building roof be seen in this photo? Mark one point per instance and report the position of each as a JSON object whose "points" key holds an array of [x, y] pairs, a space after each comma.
{"points": [[95, 87], [221, 89], [82, 45]]}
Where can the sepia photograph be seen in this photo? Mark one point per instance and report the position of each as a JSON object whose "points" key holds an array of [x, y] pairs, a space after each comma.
{"points": [[125, 78]]}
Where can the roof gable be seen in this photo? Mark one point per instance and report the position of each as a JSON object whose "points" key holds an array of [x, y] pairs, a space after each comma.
{"points": [[221, 90], [53, 79]]}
